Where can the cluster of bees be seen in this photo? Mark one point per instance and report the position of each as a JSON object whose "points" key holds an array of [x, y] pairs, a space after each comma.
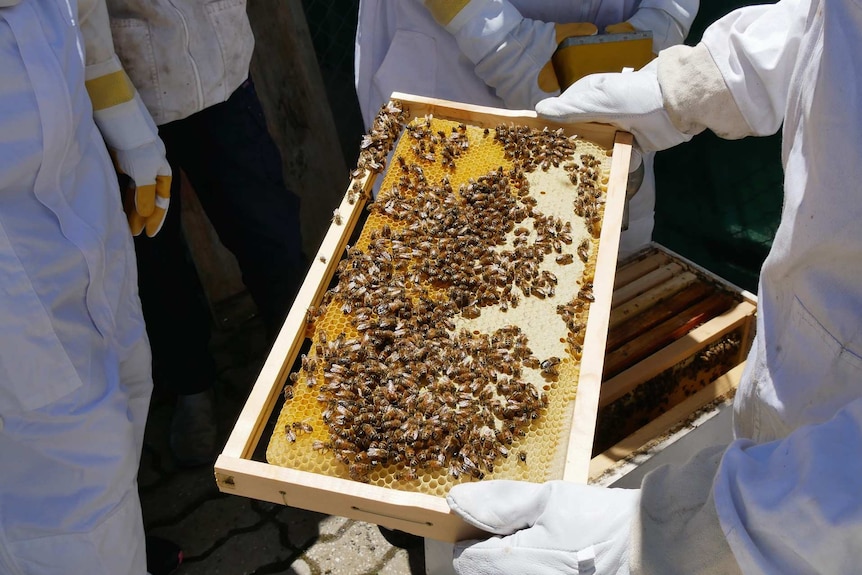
{"points": [[376, 145], [589, 195], [408, 388]]}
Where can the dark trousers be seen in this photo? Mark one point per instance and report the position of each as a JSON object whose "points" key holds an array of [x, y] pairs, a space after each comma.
{"points": [[235, 169]]}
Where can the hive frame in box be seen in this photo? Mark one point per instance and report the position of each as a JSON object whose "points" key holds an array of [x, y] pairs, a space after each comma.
{"points": [[677, 421], [417, 513]]}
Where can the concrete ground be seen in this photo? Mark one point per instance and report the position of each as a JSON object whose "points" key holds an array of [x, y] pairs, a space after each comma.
{"points": [[225, 534]]}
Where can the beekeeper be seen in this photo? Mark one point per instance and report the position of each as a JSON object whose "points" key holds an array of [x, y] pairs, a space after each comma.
{"points": [[498, 53], [74, 359], [786, 496]]}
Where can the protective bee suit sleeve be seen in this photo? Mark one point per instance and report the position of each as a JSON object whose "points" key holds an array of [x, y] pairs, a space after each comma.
{"points": [[125, 123], [785, 494], [74, 360]]}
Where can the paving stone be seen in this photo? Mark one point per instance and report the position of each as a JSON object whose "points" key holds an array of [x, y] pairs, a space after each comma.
{"points": [[241, 554], [298, 567], [358, 550], [175, 496], [332, 524], [399, 564], [303, 527], [210, 523]]}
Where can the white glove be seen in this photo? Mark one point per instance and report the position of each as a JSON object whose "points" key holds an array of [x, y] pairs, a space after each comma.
{"points": [[631, 101], [551, 528]]}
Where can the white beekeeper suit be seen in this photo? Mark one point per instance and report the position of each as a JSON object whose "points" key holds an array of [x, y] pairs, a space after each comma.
{"points": [[75, 377], [784, 497], [490, 52]]}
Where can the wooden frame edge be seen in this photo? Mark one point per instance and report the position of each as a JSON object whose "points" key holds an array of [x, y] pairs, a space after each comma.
{"points": [[418, 513], [602, 134], [580, 440]]}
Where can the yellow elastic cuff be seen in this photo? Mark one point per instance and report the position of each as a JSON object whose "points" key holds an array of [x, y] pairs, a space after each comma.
{"points": [[444, 11], [110, 90]]}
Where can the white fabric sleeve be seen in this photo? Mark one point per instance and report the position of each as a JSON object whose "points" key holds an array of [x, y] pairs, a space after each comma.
{"points": [[123, 120], [99, 55], [676, 529], [482, 25], [669, 20], [793, 505], [755, 49]]}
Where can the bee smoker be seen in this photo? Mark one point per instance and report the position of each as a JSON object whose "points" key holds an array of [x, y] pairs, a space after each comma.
{"points": [[579, 56]]}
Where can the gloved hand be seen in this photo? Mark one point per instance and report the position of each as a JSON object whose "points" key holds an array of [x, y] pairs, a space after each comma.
{"points": [[136, 148], [132, 138], [146, 199], [631, 101], [512, 54], [551, 528]]}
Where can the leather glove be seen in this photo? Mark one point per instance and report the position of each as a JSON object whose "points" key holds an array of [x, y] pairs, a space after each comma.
{"points": [[138, 152], [512, 54], [147, 197], [125, 124], [551, 528], [631, 101]]}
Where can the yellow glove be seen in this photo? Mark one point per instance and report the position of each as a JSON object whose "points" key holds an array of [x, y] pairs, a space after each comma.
{"points": [[620, 28], [125, 124], [146, 205]]}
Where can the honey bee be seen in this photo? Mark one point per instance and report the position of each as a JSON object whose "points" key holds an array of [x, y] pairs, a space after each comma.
{"points": [[471, 312], [359, 471], [550, 366], [336, 217], [302, 426]]}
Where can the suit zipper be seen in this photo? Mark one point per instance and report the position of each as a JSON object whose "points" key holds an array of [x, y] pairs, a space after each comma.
{"points": [[198, 87]]}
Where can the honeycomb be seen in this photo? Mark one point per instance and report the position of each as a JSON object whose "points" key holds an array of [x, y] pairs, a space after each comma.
{"points": [[484, 388]]}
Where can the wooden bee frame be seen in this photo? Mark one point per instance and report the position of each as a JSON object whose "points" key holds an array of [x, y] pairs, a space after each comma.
{"points": [[238, 473]]}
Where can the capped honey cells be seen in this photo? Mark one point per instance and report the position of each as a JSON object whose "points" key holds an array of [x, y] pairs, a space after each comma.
{"points": [[448, 348]]}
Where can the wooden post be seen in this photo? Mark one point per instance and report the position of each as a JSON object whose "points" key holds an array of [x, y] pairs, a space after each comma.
{"points": [[291, 90]]}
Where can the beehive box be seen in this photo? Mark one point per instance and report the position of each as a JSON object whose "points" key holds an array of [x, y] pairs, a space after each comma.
{"points": [[452, 332], [677, 341]]}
